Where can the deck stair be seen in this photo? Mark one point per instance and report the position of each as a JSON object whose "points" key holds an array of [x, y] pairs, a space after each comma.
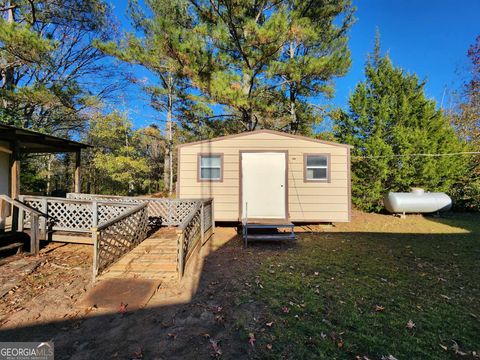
{"points": [[267, 230]]}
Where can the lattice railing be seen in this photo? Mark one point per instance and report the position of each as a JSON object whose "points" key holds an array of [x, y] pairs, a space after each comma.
{"points": [[194, 231], [72, 214], [118, 236], [171, 211]]}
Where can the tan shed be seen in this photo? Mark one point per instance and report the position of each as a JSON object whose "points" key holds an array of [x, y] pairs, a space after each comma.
{"points": [[268, 175]]}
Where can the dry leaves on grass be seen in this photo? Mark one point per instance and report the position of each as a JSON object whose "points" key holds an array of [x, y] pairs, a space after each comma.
{"points": [[410, 325], [251, 339], [389, 357], [269, 324], [456, 349], [269, 347], [379, 308], [285, 309]]}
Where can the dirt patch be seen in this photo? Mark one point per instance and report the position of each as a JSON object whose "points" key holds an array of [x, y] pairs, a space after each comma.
{"points": [[133, 294], [46, 287]]}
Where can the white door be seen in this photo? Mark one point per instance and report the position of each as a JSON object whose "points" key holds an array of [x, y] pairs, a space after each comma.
{"points": [[263, 185]]}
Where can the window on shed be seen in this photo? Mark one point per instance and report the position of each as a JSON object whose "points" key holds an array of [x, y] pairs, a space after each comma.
{"points": [[210, 167], [316, 167]]}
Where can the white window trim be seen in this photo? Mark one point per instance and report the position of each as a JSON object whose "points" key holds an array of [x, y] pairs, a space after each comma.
{"points": [[327, 167], [200, 167]]}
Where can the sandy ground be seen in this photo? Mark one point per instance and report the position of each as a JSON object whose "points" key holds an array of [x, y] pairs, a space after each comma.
{"points": [[44, 288], [207, 315]]}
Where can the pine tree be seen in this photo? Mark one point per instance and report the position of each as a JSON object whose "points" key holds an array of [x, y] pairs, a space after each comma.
{"points": [[315, 52], [389, 121]]}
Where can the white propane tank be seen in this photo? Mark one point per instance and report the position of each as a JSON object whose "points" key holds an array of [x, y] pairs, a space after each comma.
{"points": [[416, 201]]}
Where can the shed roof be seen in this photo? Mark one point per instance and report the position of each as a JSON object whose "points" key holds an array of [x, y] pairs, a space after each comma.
{"points": [[34, 142], [266, 131]]}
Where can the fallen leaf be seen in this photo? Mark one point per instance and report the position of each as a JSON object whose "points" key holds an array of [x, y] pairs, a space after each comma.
{"points": [[410, 324], [137, 355], [122, 309], [251, 339], [269, 347], [216, 348], [285, 310], [456, 349], [444, 347], [172, 335], [445, 297], [389, 357], [379, 308], [269, 324]]}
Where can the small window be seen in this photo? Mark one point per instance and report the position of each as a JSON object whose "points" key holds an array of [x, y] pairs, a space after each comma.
{"points": [[316, 167], [210, 167]]}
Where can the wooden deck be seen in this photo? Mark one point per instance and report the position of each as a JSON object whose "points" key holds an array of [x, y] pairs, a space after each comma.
{"points": [[154, 258]]}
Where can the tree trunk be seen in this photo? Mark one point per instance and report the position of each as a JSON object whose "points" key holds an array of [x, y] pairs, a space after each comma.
{"points": [[167, 169], [7, 73], [293, 97]]}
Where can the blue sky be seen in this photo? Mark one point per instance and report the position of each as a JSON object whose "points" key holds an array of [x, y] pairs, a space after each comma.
{"points": [[426, 37]]}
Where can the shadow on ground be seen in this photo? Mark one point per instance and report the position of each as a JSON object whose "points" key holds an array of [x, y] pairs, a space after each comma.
{"points": [[217, 309]]}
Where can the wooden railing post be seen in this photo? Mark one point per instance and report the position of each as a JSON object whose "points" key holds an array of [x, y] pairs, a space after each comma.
{"points": [[43, 220], [170, 212], [95, 254], [180, 255], [202, 223], [21, 215], [34, 239], [212, 215], [94, 213]]}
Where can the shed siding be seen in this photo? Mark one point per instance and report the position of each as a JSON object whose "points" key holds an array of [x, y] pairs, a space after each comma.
{"points": [[308, 202]]}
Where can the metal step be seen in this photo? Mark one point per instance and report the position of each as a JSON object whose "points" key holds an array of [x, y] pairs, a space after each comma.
{"points": [[269, 226], [278, 236]]}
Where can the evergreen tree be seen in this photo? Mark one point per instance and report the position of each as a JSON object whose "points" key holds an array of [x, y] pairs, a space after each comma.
{"points": [[389, 121], [48, 62], [314, 53]]}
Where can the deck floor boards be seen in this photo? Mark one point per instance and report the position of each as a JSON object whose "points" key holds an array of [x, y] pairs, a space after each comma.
{"points": [[154, 258]]}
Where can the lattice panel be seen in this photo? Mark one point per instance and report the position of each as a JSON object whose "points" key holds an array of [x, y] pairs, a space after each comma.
{"points": [[71, 216], [120, 237], [159, 208], [180, 210], [108, 212], [192, 233], [207, 215], [36, 204]]}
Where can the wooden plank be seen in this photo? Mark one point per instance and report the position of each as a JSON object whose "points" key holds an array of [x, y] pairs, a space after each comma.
{"points": [[11, 247], [75, 239]]}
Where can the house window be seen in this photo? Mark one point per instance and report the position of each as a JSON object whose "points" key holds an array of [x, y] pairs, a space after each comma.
{"points": [[316, 167], [210, 167]]}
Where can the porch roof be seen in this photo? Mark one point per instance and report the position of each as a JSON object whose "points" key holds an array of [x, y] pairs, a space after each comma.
{"points": [[29, 141]]}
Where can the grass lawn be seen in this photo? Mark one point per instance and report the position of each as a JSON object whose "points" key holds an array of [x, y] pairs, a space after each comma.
{"points": [[379, 287]]}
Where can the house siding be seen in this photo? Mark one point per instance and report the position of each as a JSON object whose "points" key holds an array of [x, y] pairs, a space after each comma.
{"points": [[307, 201]]}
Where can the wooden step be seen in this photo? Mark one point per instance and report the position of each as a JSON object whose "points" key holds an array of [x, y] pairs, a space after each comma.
{"points": [[12, 246]]}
